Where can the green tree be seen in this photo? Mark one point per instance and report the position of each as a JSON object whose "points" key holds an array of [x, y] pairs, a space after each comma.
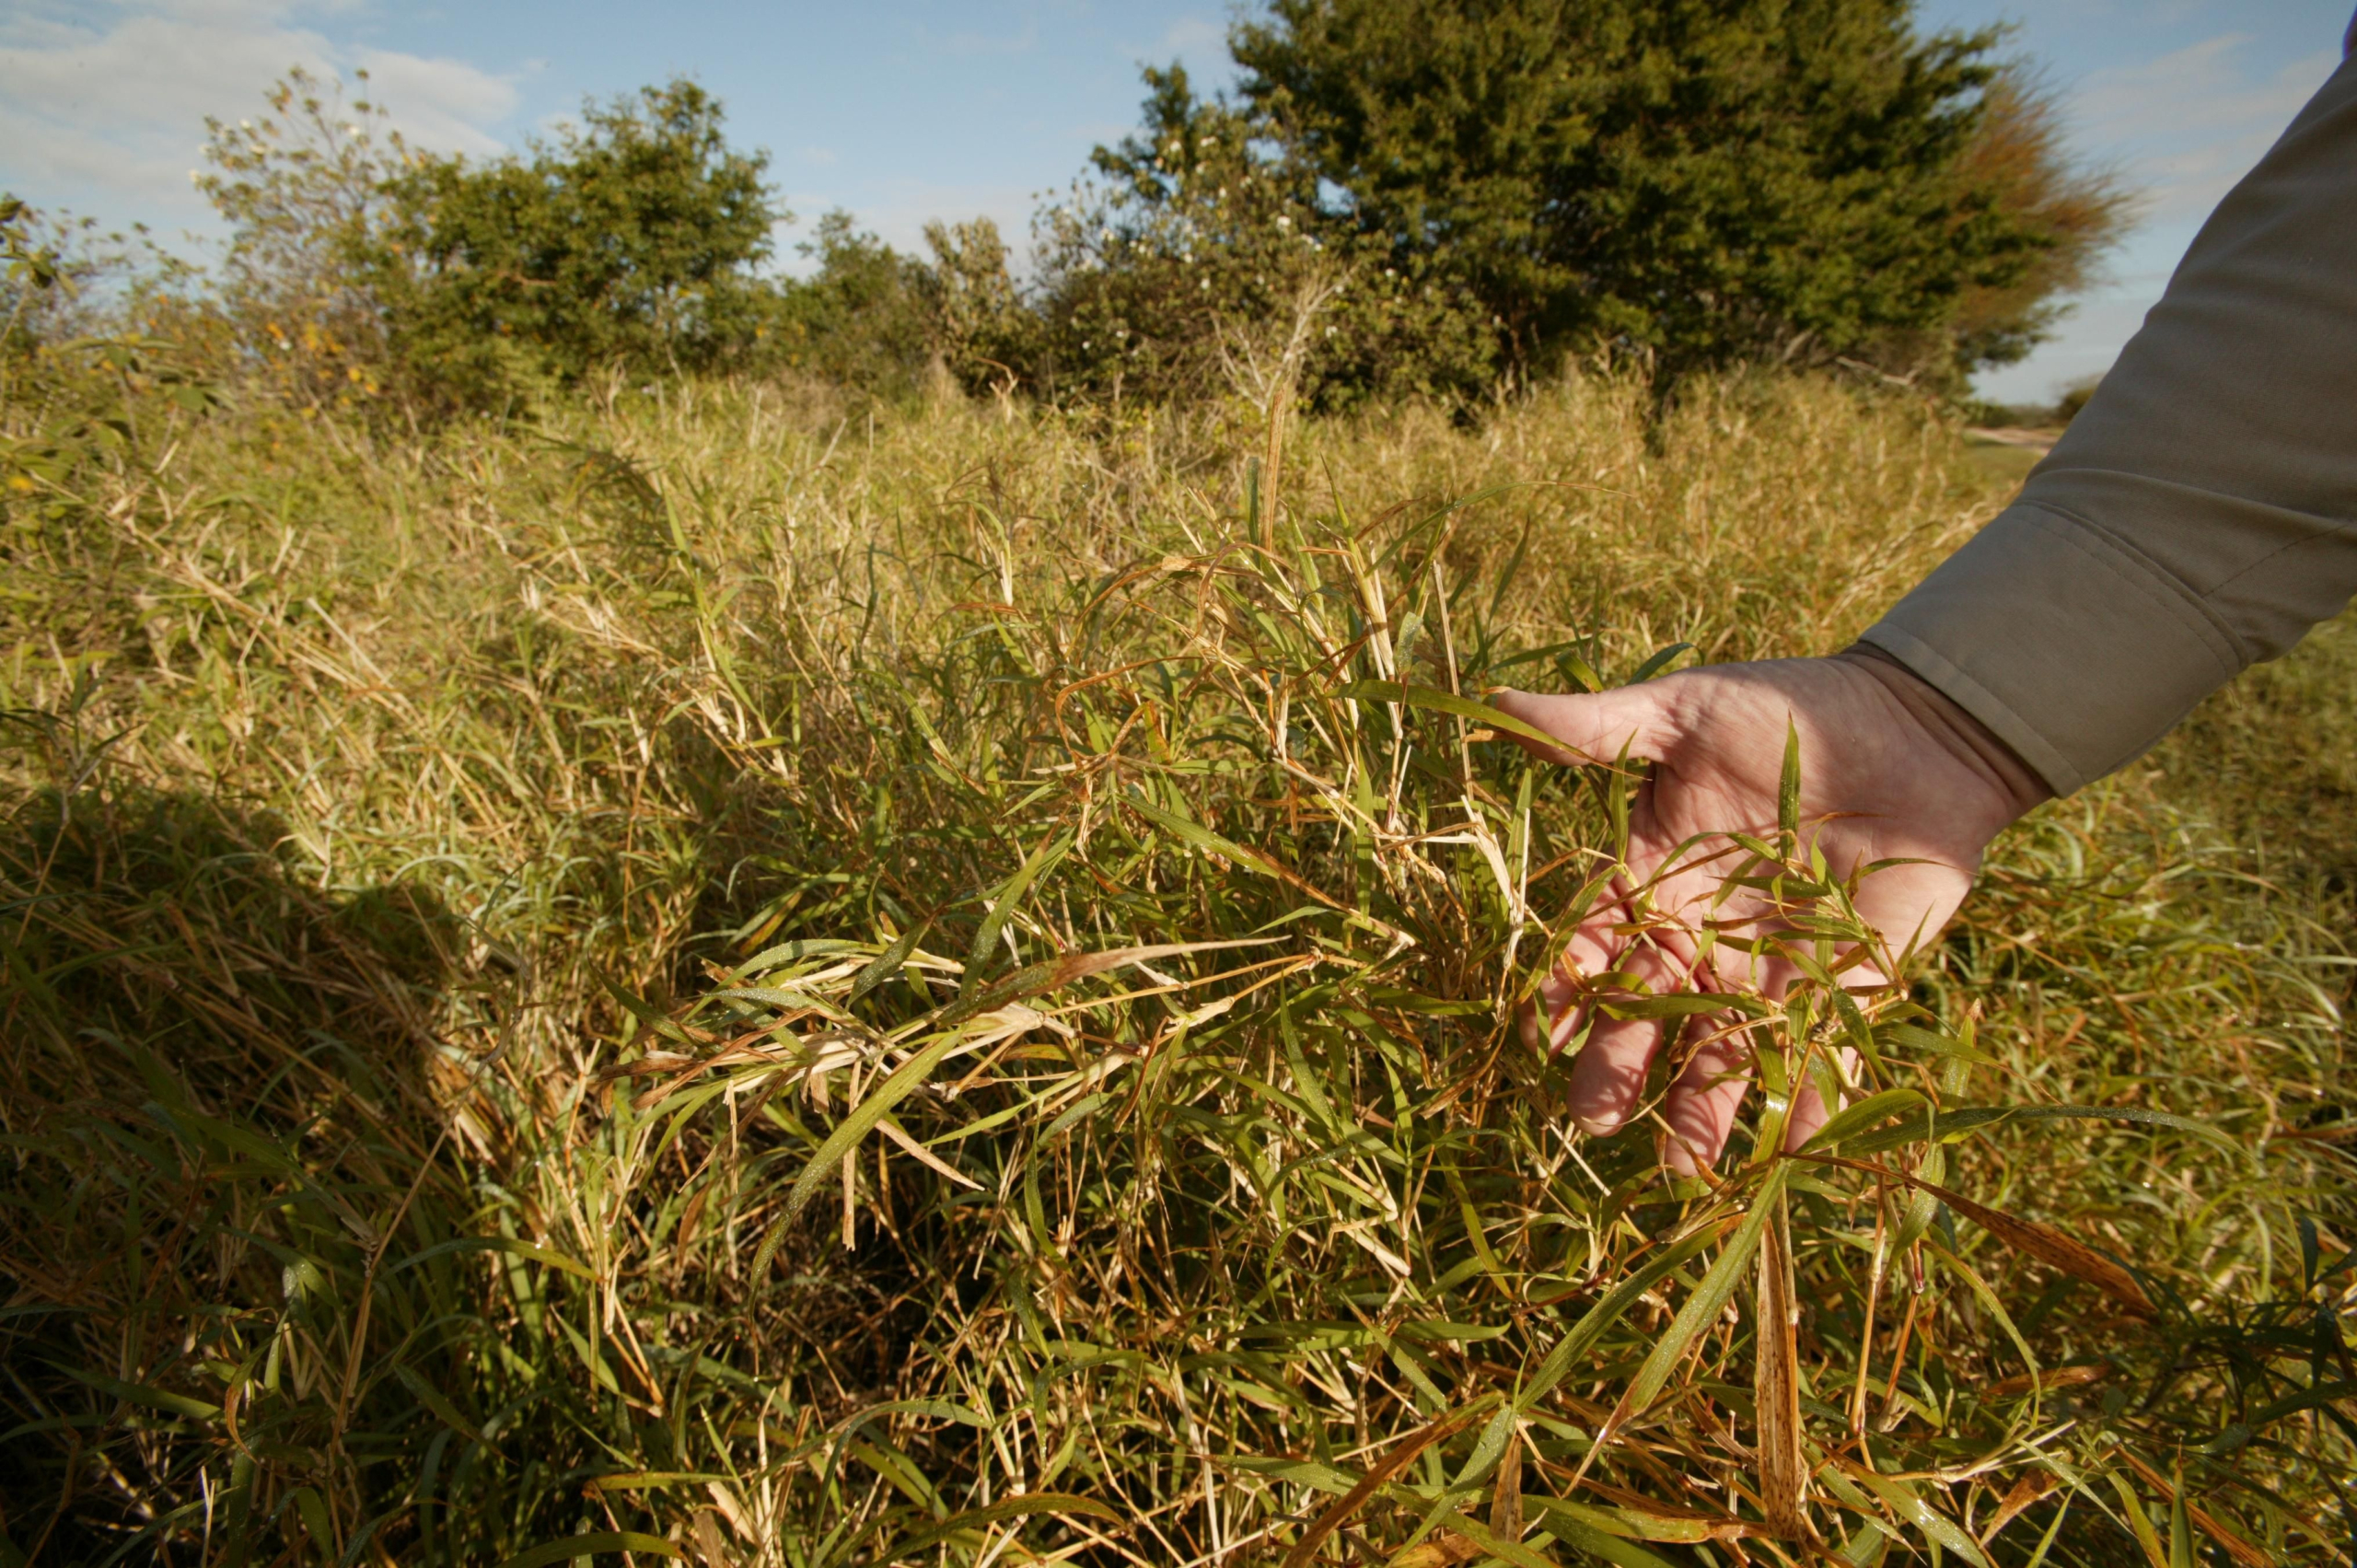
{"points": [[879, 322], [977, 325], [862, 319], [1702, 180], [635, 241], [1194, 261]]}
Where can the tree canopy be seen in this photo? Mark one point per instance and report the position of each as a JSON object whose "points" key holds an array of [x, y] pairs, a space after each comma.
{"points": [[1701, 180], [1191, 260], [634, 240], [1402, 198]]}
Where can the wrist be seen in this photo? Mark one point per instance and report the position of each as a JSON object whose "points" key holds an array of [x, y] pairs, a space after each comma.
{"points": [[2014, 787]]}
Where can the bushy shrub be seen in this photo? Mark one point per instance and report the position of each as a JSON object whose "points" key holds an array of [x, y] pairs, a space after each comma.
{"points": [[976, 318], [2074, 398], [59, 275], [288, 309], [863, 319], [634, 240], [637, 242], [1195, 262], [2017, 160], [84, 383]]}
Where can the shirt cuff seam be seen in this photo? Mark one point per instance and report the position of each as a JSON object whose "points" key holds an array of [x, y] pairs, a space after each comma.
{"points": [[2133, 567], [2027, 741]]}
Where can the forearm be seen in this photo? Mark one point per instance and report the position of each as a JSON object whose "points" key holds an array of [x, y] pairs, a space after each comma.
{"points": [[2201, 515]]}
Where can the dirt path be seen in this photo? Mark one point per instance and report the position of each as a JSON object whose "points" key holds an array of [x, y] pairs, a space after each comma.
{"points": [[2039, 441]]}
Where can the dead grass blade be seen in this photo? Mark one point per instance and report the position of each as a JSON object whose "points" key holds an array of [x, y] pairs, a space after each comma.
{"points": [[1776, 1386], [1401, 1455], [2050, 1247], [2045, 1381], [2241, 1550], [2033, 1485], [1505, 1493], [2043, 1242], [1443, 1550]]}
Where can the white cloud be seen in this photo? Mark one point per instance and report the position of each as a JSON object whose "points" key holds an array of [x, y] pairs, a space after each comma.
{"points": [[2200, 87], [2189, 123], [2181, 128], [102, 106], [442, 104]]}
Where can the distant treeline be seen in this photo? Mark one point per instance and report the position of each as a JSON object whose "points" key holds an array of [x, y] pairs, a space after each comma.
{"points": [[1400, 198]]}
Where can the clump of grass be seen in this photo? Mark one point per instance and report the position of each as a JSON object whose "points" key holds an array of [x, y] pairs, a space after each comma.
{"points": [[715, 978]]}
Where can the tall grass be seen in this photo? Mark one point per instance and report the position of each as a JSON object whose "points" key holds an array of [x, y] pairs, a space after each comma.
{"points": [[732, 976]]}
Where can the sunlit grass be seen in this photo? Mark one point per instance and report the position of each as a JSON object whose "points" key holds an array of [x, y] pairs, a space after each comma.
{"points": [[740, 977]]}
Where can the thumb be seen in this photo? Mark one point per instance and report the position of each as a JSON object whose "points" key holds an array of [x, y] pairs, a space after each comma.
{"points": [[1593, 729]]}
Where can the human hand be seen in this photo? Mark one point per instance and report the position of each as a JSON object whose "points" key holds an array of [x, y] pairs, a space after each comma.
{"points": [[1890, 770]]}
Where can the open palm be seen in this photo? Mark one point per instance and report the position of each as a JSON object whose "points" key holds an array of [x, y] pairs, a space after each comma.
{"points": [[1891, 771]]}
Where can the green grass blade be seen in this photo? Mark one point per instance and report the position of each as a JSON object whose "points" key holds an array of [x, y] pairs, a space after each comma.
{"points": [[1852, 1119], [1026, 1506], [1438, 701], [1003, 902], [1710, 1298], [863, 1118]]}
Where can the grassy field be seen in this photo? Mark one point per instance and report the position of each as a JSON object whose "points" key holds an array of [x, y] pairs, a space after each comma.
{"points": [[735, 975]]}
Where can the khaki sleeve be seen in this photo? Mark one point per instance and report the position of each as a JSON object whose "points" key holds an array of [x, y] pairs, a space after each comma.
{"points": [[2201, 513]]}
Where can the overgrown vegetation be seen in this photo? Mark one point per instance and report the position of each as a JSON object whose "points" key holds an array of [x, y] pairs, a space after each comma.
{"points": [[1430, 200], [463, 895], [724, 965]]}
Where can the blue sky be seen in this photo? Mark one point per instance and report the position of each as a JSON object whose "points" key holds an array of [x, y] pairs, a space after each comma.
{"points": [[907, 109]]}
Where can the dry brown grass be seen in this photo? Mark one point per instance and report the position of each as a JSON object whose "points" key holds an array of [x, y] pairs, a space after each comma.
{"points": [[544, 1004]]}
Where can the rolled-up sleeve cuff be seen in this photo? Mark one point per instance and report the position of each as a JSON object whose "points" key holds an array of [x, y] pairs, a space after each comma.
{"points": [[2063, 640]]}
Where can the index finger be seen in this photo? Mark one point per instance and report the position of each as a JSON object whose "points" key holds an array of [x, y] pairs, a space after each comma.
{"points": [[1594, 727]]}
